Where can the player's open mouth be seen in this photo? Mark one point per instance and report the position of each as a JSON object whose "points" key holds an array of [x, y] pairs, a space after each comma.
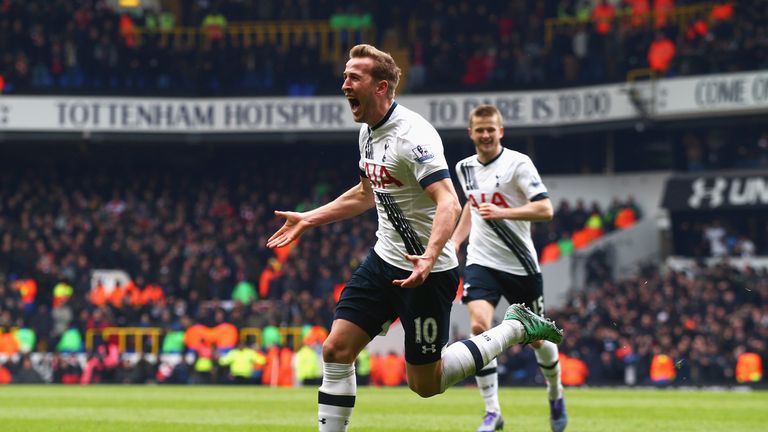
{"points": [[354, 104]]}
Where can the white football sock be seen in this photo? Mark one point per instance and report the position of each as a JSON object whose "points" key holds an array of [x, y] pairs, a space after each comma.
{"points": [[549, 364], [462, 359], [488, 383], [336, 397]]}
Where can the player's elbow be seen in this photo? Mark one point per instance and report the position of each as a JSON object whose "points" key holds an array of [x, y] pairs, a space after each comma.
{"points": [[545, 211], [454, 208]]}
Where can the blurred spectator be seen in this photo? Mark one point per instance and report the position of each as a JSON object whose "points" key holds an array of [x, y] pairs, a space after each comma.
{"points": [[603, 15], [308, 365], [5, 374], [214, 25], [240, 361], [62, 317], [715, 235], [660, 53], [66, 369], [26, 373], [391, 370]]}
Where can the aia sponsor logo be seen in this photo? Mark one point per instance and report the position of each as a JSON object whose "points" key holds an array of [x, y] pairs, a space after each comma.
{"points": [[475, 199], [380, 176]]}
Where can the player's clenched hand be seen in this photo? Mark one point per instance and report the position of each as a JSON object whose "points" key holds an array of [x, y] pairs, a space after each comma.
{"points": [[490, 211], [292, 229], [422, 265]]}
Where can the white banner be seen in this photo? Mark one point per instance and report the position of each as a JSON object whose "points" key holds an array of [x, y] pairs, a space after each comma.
{"points": [[156, 115], [738, 93], [152, 115], [528, 109], [694, 96]]}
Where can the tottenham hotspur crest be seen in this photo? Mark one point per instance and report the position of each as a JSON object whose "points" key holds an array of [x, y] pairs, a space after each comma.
{"points": [[384, 156]]}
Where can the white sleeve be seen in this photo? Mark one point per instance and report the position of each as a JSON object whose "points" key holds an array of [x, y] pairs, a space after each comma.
{"points": [[426, 160], [528, 180]]}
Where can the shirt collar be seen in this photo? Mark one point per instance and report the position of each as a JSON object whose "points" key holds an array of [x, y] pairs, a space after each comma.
{"points": [[386, 117]]}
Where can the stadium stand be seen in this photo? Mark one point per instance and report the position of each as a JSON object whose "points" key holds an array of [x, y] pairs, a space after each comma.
{"points": [[187, 222], [233, 47], [702, 320]]}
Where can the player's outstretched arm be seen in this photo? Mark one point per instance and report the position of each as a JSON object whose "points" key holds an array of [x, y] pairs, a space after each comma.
{"points": [[351, 203], [448, 210], [461, 232], [534, 211]]}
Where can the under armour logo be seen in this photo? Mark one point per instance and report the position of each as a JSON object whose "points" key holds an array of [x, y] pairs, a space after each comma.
{"points": [[369, 146], [486, 337], [322, 420], [497, 180], [428, 349], [700, 192]]}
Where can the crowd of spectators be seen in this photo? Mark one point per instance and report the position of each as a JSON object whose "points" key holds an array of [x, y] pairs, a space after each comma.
{"points": [[703, 318], [191, 235], [194, 230], [88, 46], [734, 148], [703, 321], [721, 236], [577, 225], [506, 45], [197, 227]]}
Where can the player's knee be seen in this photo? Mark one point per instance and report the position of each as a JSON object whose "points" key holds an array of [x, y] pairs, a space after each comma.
{"points": [[424, 391], [337, 352], [478, 328]]}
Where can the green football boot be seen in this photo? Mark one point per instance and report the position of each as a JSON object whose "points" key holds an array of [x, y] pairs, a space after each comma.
{"points": [[536, 327]]}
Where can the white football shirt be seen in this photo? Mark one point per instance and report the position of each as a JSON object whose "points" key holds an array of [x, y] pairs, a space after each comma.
{"points": [[509, 180], [402, 155]]}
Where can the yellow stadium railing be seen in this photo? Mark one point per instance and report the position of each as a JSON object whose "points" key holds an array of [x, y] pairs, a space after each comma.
{"points": [[135, 334], [251, 335], [330, 42], [680, 16], [641, 73], [291, 336], [133, 338]]}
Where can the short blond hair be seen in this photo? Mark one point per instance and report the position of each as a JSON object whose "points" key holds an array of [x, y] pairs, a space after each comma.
{"points": [[485, 111], [384, 66]]}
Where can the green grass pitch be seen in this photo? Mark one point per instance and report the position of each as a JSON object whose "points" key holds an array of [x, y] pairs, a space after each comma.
{"points": [[241, 409]]}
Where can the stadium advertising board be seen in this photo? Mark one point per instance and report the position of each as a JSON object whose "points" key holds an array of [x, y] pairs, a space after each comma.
{"points": [[716, 192], [152, 115], [696, 96], [738, 93]]}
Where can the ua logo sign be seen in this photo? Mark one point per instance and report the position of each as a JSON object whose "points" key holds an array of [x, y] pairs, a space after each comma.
{"points": [[428, 349], [701, 192]]}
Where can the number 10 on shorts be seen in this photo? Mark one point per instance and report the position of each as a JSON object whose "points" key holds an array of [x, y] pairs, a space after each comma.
{"points": [[426, 332]]}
